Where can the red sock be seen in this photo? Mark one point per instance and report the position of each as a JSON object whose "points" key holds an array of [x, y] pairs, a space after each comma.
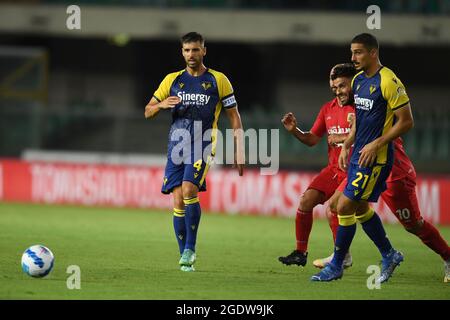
{"points": [[303, 225], [431, 237], [334, 224]]}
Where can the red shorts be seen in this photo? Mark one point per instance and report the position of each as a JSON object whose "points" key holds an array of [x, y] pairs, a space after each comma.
{"points": [[341, 187], [400, 196], [327, 181]]}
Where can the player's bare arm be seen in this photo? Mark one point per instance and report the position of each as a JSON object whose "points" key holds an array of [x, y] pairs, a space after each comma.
{"points": [[404, 122], [153, 107], [290, 124], [236, 124], [346, 146], [335, 139]]}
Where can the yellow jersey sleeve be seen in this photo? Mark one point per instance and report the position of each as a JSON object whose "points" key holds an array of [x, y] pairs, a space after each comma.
{"points": [[393, 90], [226, 93], [163, 90]]}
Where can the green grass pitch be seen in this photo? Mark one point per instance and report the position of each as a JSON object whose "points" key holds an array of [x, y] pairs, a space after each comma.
{"points": [[132, 254]]}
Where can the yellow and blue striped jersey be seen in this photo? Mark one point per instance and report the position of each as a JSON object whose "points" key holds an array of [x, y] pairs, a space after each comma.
{"points": [[376, 99], [202, 99]]}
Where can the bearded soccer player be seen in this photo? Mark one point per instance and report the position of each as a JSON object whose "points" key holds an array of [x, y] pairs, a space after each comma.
{"points": [[332, 120], [380, 97], [400, 196], [195, 96]]}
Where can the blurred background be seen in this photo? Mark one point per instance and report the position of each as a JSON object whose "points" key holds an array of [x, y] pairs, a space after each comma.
{"points": [[85, 90]]}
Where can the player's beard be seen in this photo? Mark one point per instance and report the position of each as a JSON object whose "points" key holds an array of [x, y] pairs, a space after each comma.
{"points": [[347, 100], [193, 64]]}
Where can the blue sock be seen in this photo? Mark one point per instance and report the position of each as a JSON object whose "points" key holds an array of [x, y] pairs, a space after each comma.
{"points": [[193, 213], [344, 238], [179, 227], [375, 230]]}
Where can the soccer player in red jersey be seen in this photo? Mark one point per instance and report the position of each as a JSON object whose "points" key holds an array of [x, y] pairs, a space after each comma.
{"points": [[400, 196], [333, 120]]}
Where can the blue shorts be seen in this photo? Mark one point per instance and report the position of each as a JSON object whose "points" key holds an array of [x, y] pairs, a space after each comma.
{"points": [[175, 174], [366, 183]]}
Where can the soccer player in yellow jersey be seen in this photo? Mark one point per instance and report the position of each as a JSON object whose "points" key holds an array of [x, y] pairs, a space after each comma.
{"points": [[383, 113], [195, 96]]}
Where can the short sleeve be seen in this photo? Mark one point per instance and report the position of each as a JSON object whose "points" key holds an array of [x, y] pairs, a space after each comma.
{"points": [[393, 91], [226, 93], [163, 90], [319, 127]]}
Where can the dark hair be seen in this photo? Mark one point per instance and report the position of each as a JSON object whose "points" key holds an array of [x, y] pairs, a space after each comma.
{"points": [[192, 37], [347, 70], [369, 41]]}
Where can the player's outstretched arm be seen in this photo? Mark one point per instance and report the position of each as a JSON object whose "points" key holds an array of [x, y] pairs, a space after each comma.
{"points": [[236, 124], [290, 124], [153, 107], [404, 123]]}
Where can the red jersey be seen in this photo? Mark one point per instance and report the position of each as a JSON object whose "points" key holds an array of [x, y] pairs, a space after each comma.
{"points": [[333, 119], [402, 166]]}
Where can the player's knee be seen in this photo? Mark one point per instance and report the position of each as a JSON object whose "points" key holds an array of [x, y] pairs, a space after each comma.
{"points": [[178, 198], [307, 203], [362, 208], [345, 207], [346, 212], [333, 204], [178, 202], [330, 213], [189, 190]]}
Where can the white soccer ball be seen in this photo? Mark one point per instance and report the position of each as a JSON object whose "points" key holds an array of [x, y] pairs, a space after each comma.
{"points": [[37, 261]]}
